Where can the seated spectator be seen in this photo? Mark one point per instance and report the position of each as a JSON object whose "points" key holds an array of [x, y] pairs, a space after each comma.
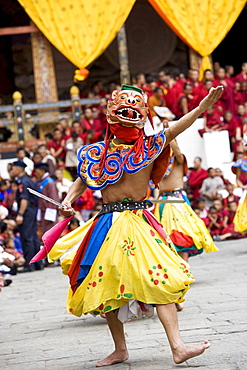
{"points": [[7, 264], [208, 75], [22, 155], [10, 199], [73, 224], [36, 158], [46, 157], [196, 177], [98, 89], [102, 113], [172, 91], [234, 129], [3, 189], [202, 91], [243, 91], [48, 139], [231, 197], [237, 96], [57, 145], [229, 71], [212, 121], [73, 144], [62, 184], [241, 115], [9, 247], [203, 210], [242, 76], [228, 231], [66, 130], [219, 173], [61, 166], [214, 221], [226, 100], [92, 126], [162, 80], [218, 204], [17, 240], [156, 100], [185, 101], [81, 132], [193, 79], [3, 232], [141, 82], [153, 85], [210, 186]]}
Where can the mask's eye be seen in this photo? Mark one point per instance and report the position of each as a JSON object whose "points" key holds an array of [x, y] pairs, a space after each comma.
{"points": [[138, 99], [123, 96]]}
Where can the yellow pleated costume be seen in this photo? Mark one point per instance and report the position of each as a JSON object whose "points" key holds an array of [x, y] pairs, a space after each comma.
{"points": [[134, 262], [187, 231]]}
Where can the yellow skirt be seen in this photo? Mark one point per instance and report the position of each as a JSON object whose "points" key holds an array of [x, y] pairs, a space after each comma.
{"points": [[240, 219], [133, 262], [186, 230]]}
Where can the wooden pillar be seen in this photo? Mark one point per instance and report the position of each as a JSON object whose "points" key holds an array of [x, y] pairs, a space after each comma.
{"points": [[123, 56], [195, 59], [44, 71], [76, 107], [18, 116]]}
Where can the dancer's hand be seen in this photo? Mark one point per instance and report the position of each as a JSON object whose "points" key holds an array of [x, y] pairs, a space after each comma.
{"points": [[212, 97], [68, 211]]}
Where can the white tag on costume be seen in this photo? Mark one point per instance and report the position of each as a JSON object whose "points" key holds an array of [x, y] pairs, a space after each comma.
{"points": [[38, 218], [50, 214]]}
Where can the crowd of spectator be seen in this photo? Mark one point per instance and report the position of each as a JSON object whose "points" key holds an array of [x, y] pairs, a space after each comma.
{"points": [[56, 159], [213, 199]]}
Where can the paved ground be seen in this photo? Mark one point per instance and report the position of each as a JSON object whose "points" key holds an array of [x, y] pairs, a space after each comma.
{"points": [[37, 333]]}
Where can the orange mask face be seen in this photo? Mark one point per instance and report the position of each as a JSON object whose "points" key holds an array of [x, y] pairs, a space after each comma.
{"points": [[128, 109]]}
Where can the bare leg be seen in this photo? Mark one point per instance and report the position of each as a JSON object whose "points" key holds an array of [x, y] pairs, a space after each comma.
{"points": [[225, 236], [184, 255], [181, 352], [117, 331]]}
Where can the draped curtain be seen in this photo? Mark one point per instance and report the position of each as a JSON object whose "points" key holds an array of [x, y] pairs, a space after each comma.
{"points": [[201, 24], [80, 29]]}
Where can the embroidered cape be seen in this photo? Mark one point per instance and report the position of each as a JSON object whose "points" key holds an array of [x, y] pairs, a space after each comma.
{"points": [[89, 159]]}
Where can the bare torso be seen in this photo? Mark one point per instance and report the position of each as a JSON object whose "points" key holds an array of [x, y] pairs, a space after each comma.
{"points": [[129, 186], [175, 179]]}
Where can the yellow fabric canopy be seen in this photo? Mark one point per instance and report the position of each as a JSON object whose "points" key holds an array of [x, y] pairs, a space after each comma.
{"points": [[200, 24], [80, 29]]}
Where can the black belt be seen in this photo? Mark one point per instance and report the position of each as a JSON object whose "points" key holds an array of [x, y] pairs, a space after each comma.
{"points": [[124, 206], [173, 193]]}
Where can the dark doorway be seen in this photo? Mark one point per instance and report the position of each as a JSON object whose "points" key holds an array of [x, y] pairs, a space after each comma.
{"points": [[232, 50]]}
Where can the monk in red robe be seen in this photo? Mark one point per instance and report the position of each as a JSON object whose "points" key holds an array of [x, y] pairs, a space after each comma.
{"points": [[197, 175]]}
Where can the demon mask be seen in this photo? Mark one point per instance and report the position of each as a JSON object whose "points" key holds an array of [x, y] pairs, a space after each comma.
{"points": [[127, 112]]}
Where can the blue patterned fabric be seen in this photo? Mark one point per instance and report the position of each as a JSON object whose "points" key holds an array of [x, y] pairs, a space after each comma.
{"points": [[97, 238]]}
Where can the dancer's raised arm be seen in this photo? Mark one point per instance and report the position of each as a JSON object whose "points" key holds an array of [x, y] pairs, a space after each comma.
{"points": [[187, 120]]}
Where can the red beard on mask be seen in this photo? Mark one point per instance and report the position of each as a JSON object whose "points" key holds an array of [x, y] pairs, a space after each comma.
{"points": [[128, 134]]}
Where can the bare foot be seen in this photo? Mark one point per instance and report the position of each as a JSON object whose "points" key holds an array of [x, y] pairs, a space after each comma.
{"points": [[179, 306], [184, 352], [114, 358]]}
